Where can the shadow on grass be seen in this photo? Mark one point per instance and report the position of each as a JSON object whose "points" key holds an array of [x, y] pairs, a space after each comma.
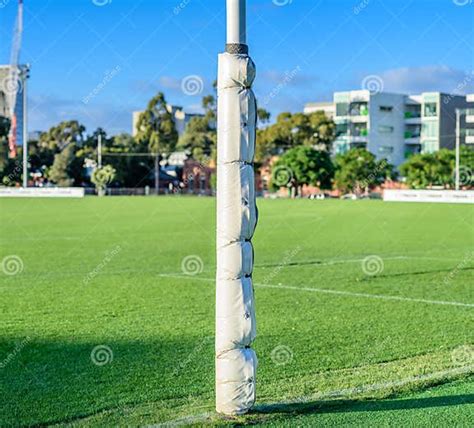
{"points": [[60, 381], [341, 406]]}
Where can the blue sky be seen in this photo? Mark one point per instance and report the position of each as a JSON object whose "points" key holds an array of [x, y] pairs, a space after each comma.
{"points": [[99, 60]]}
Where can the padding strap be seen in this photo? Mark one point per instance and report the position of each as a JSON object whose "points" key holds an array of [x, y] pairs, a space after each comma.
{"points": [[237, 48]]}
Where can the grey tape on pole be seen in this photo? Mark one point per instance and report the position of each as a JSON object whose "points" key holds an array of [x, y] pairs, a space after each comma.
{"points": [[236, 363], [237, 48]]}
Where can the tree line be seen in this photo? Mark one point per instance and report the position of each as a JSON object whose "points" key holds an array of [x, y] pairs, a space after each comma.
{"points": [[296, 147]]}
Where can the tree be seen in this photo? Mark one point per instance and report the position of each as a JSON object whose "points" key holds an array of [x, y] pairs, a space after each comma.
{"points": [[4, 129], [200, 136], [263, 115], [67, 169], [358, 171], [426, 170], [40, 158], [156, 128], [124, 141], [291, 130], [324, 127], [65, 133], [466, 163], [129, 159], [303, 165], [101, 177], [467, 156], [58, 148], [199, 139], [10, 169]]}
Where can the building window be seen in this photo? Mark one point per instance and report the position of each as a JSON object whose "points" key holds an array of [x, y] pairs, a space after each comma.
{"points": [[412, 112], [386, 109], [342, 109], [359, 109], [431, 110], [412, 149], [341, 129], [412, 131], [429, 129], [384, 129], [360, 130]]}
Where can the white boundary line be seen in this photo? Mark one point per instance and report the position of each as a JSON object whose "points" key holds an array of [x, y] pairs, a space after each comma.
{"points": [[340, 261], [368, 295], [349, 392], [340, 393], [336, 292]]}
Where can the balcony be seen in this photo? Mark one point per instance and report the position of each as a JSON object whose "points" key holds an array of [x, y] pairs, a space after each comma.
{"points": [[345, 143], [413, 117], [430, 111], [469, 136], [348, 130], [357, 140], [359, 112], [359, 130], [411, 150], [351, 140], [412, 133], [359, 119], [470, 115]]}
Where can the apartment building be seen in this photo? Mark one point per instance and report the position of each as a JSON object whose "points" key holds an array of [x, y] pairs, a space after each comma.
{"points": [[326, 107], [5, 86], [469, 121], [393, 126]]}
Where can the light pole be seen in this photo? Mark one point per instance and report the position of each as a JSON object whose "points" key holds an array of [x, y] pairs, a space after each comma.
{"points": [[25, 76], [157, 174], [459, 112], [236, 362], [99, 151]]}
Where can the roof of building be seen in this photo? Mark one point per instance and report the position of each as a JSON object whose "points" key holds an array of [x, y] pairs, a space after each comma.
{"points": [[320, 104]]}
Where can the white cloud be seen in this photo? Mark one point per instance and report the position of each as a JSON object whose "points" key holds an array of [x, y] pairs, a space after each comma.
{"points": [[428, 78], [298, 78], [168, 82]]}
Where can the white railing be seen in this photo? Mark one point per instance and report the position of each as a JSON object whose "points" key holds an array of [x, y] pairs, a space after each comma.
{"points": [[41, 192], [440, 196]]}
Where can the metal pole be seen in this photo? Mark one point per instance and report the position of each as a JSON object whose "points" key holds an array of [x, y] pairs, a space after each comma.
{"points": [[99, 151], [236, 361], [236, 22], [25, 129], [458, 143], [157, 174]]}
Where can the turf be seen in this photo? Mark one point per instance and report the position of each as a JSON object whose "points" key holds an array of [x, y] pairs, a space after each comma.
{"points": [[336, 344]]}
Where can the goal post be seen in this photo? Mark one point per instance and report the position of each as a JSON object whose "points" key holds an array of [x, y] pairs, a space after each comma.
{"points": [[236, 362]]}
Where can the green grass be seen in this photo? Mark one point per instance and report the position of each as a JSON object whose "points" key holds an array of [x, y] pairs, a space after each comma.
{"points": [[108, 272]]}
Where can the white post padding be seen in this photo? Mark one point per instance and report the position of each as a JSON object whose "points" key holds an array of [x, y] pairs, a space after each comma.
{"points": [[236, 363]]}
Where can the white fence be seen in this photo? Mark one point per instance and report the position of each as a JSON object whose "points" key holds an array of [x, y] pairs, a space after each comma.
{"points": [[41, 192], [442, 196]]}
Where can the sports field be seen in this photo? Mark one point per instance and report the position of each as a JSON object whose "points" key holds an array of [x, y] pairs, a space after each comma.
{"points": [[365, 313]]}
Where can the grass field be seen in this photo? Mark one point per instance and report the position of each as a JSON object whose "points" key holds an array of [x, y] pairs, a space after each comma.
{"points": [[342, 339]]}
